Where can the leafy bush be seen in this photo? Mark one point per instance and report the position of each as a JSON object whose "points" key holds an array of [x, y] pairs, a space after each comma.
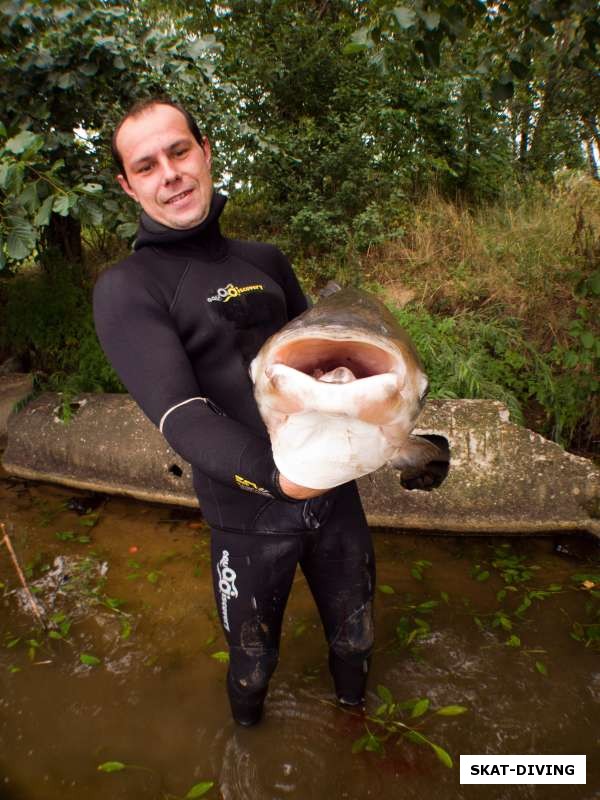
{"points": [[475, 356], [314, 230], [48, 324]]}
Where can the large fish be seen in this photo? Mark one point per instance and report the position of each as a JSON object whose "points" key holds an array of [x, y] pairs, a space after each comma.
{"points": [[340, 389]]}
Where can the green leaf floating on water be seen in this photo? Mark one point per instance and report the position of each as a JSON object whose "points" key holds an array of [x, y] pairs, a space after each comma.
{"points": [[420, 708], [451, 711], [199, 789], [89, 660], [416, 737], [111, 766], [384, 694], [221, 656], [443, 756]]}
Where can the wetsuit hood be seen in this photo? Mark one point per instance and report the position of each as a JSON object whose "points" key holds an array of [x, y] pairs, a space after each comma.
{"points": [[206, 235]]}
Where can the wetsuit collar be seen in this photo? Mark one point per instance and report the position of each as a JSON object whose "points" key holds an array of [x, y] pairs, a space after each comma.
{"points": [[205, 237]]}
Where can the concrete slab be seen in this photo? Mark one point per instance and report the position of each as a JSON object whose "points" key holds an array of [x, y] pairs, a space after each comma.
{"points": [[14, 387], [503, 478]]}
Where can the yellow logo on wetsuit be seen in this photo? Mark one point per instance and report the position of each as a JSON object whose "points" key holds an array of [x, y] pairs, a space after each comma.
{"points": [[227, 293], [250, 486]]}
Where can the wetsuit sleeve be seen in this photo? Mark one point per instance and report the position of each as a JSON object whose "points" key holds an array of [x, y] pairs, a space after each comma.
{"points": [[140, 340]]}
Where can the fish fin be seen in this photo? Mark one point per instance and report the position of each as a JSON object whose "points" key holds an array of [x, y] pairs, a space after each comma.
{"points": [[424, 462], [417, 452]]}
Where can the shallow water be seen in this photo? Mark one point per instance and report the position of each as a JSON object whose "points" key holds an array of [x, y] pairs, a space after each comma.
{"points": [[156, 701]]}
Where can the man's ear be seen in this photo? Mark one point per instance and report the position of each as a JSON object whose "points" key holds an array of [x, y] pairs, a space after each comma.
{"points": [[207, 151], [124, 184]]}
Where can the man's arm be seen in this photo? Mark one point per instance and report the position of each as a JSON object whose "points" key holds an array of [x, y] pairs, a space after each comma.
{"points": [[139, 338]]}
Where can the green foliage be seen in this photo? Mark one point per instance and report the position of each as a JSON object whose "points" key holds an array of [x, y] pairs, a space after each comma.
{"points": [[67, 73], [222, 656], [518, 595], [200, 789], [573, 394], [197, 790], [473, 355], [532, 58], [48, 323], [43, 319], [89, 660], [460, 355], [111, 766], [588, 632], [387, 724]]}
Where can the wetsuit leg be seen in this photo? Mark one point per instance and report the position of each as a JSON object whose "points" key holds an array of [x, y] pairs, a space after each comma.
{"points": [[252, 578], [339, 565]]}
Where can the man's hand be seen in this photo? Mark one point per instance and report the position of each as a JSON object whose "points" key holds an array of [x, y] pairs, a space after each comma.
{"points": [[297, 492]]}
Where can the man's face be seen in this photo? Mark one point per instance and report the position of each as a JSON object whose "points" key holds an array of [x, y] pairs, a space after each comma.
{"points": [[167, 171]]}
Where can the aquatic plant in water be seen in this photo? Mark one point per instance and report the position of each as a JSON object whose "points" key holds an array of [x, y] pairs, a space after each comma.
{"points": [[394, 720]]}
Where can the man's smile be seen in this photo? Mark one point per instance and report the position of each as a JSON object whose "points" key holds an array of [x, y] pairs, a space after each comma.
{"points": [[178, 197]]}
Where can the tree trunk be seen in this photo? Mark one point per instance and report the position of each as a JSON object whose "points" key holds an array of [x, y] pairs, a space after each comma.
{"points": [[524, 135], [592, 159], [549, 106], [63, 240]]}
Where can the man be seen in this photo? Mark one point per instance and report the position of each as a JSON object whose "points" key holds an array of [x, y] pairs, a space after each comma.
{"points": [[180, 320]]}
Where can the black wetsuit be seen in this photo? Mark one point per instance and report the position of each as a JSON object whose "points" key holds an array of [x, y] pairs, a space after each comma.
{"points": [[180, 320]]}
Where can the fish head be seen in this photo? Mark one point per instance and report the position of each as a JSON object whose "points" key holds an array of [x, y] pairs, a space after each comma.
{"points": [[347, 356], [339, 389]]}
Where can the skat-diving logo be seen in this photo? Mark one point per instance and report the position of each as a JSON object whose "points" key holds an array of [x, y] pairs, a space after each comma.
{"points": [[227, 293], [227, 588]]}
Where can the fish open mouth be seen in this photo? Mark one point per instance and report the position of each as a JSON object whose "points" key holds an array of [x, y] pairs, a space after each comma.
{"points": [[316, 357]]}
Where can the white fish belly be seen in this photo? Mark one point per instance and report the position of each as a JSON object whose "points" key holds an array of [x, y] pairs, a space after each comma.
{"points": [[322, 451]]}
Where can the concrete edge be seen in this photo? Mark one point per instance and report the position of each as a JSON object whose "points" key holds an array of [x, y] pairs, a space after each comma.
{"points": [[499, 526], [98, 486]]}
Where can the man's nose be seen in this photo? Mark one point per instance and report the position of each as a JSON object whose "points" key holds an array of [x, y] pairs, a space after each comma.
{"points": [[170, 172]]}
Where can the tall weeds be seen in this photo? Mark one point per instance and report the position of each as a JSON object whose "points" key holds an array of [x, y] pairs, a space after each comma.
{"points": [[505, 302], [514, 256]]}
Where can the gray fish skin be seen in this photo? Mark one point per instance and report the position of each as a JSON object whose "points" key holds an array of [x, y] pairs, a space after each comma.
{"points": [[340, 389]]}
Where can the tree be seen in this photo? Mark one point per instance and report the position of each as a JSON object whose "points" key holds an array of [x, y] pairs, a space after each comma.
{"points": [[67, 73], [536, 64]]}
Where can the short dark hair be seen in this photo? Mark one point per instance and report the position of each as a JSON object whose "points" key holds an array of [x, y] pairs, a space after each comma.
{"points": [[144, 105]]}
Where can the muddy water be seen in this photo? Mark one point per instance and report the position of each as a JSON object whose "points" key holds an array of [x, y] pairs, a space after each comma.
{"points": [[135, 600]]}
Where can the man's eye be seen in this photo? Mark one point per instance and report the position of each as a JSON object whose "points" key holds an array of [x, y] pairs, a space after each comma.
{"points": [[144, 168], [182, 152]]}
